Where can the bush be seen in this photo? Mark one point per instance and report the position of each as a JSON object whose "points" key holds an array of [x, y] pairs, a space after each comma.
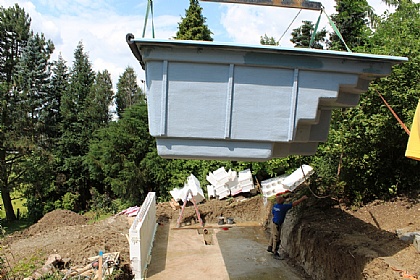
{"points": [[71, 201]]}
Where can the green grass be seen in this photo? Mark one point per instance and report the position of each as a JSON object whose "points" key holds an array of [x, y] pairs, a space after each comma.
{"points": [[18, 202], [96, 217], [18, 225]]}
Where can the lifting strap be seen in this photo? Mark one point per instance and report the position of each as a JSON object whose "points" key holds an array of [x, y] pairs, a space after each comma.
{"points": [[394, 114], [149, 10], [311, 43], [334, 27]]}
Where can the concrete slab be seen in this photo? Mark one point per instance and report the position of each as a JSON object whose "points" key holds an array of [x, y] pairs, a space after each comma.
{"points": [[238, 253]]}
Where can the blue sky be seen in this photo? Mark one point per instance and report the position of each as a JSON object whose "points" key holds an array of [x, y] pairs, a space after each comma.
{"points": [[102, 25]]}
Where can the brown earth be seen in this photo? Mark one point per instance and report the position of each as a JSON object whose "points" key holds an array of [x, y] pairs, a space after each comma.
{"points": [[327, 241]]}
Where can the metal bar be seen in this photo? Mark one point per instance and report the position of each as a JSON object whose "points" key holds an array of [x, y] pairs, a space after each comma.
{"points": [[293, 105], [299, 4], [229, 98]]}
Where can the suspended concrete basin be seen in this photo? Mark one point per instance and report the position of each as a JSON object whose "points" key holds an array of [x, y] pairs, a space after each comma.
{"points": [[209, 100]]}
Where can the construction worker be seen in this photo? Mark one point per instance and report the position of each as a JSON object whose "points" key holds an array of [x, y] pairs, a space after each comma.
{"points": [[413, 145], [279, 212]]}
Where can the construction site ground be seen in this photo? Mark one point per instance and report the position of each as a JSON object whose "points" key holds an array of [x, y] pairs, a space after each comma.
{"points": [[237, 252], [327, 240]]}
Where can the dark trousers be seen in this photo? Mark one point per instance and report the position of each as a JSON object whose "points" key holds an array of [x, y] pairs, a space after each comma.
{"points": [[275, 236]]}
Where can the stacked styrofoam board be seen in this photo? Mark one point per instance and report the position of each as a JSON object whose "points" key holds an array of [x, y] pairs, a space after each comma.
{"points": [[285, 183], [272, 186], [224, 184], [299, 176], [211, 193], [194, 185], [245, 180], [222, 181]]}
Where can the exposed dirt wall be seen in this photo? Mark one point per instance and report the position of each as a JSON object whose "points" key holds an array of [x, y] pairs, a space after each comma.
{"points": [[329, 243]]}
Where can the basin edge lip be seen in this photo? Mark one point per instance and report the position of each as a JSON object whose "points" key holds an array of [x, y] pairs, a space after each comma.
{"points": [[264, 49]]}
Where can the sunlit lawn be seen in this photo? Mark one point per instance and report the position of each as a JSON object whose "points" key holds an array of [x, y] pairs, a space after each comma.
{"points": [[18, 203]]}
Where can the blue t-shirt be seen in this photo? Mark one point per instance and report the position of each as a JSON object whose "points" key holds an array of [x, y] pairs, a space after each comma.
{"points": [[279, 212]]}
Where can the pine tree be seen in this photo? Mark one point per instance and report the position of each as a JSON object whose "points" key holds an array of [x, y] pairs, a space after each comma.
{"points": [[193, 26], [32, 81], [51, 115], [74, 127], [98, 101], [14, 33], [352, 22], [128, 91], [268, 41], [301, 36]]}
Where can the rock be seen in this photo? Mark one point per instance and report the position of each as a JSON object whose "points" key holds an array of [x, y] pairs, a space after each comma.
{"points": [[36, 275], [46, 269], [416, 242], [408, 236]]}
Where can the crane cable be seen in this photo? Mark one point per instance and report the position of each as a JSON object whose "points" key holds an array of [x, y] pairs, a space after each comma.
{"points": [[290, 25]]}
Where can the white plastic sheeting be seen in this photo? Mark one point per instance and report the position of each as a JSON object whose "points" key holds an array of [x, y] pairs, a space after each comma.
{"points": [[283, 184], [141, 236]]}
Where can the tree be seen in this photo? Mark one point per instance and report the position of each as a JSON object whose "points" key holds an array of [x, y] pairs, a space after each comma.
{"points": [[352, 21], [75, 128], [98, 101], [192, 26], [32, 82], [51, 115], [14, 33], [265, 40], [116, 153], [364, 156], [301, 36], [128, 91]]}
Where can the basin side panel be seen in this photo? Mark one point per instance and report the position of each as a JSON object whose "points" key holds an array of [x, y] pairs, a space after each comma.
{"points": [[261, 101], [197, 96]]}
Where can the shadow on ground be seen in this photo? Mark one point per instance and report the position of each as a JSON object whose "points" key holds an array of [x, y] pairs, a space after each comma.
{"points": [[159, 250], [245, 256]]}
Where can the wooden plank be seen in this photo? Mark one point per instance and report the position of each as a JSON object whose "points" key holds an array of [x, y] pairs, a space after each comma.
{"points": [[298, 4]]}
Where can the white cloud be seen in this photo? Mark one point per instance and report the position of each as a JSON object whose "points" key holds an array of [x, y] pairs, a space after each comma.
{"points": [[246, 23]]}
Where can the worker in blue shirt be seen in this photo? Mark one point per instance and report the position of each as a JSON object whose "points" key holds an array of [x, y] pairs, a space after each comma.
{"points": [[279, 212]]}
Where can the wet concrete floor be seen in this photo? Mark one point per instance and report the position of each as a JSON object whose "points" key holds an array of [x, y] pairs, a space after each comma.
{"points": [[238, 253]]}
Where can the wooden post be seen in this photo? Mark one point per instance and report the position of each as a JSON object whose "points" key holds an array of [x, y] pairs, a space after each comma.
{"points": [[99, 275]]}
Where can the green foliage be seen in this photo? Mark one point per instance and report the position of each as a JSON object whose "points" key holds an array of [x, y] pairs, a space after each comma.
{"points": [[15, 139], [352, 21], [192, 26], [364, 157], [301, 36], [265, 40], [101, 203], [128, 91], [26, 266], [116, 153], [71, 201]]}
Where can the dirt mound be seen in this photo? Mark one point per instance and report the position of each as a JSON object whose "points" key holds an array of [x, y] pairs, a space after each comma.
{"points": [[77, 241], [55, 219], [241, 209]]}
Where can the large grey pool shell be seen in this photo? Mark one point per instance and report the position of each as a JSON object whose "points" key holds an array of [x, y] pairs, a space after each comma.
{"points": [[209, 100]]}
